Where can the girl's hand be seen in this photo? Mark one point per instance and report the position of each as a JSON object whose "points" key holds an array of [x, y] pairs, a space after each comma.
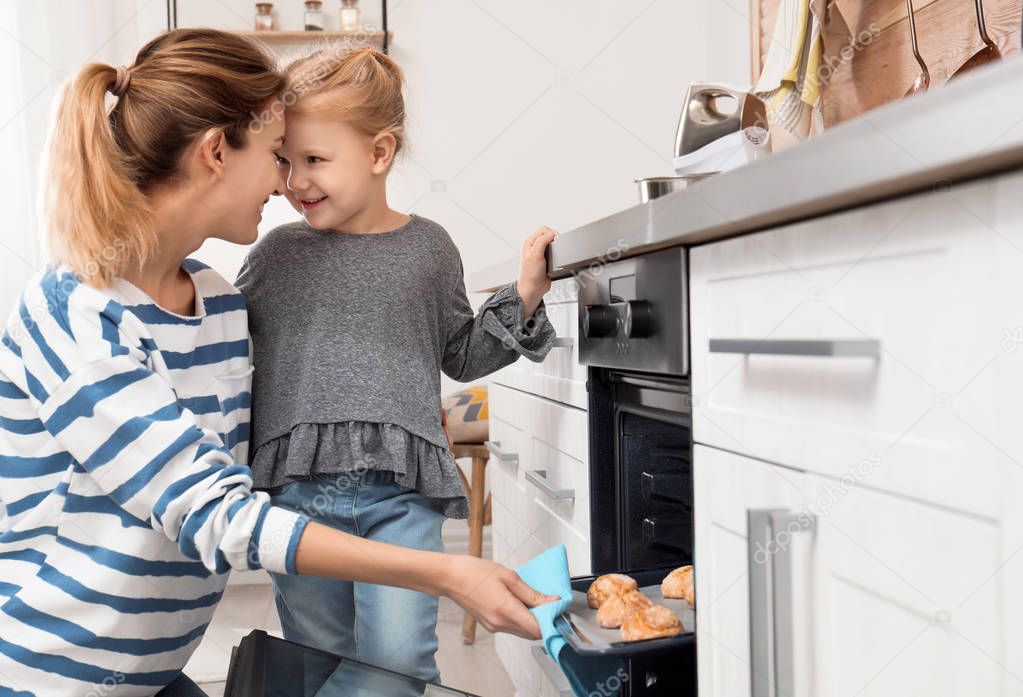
{"points": [[533, 279], [495, 596]]}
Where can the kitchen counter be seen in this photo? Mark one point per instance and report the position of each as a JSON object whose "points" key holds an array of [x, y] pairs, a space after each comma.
{"points": [[964, 130]]}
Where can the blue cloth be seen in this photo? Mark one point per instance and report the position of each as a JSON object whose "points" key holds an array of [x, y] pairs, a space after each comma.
{"points": [[548, 573], [393, 628]]}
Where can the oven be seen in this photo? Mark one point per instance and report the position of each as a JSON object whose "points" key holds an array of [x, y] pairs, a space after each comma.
{"points": [[633, 317]]}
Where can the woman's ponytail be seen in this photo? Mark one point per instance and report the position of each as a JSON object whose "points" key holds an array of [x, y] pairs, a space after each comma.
{"points": [[97, 220], [104, 162]]}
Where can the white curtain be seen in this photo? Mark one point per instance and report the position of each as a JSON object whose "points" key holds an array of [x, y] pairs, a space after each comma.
{"points": [[42, 43]]}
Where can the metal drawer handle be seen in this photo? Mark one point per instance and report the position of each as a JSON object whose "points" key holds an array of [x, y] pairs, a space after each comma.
{"points": [[550, 669], [538, 478], [772, 652], [866, 348], [494, 446], [563, 342]]}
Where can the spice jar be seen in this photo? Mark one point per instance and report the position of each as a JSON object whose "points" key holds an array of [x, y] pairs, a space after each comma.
{"points": [[351, 15], [314, 15], [265, 16]]}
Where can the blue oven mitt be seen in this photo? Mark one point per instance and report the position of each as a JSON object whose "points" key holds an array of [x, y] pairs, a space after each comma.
{"points": [[548, 573]]}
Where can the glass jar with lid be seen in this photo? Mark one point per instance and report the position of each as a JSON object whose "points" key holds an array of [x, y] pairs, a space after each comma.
{"points": [[314, 20], [351, 15], [265, 16]]}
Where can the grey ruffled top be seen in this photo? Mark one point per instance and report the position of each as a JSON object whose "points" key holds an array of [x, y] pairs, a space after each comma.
{"points": [[350, 334]]}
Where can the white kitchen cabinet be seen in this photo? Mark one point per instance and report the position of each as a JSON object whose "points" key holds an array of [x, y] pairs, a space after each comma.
{"points": [[917, 300], [878, 595], [539, 474], [726, 488], [905, 595]]}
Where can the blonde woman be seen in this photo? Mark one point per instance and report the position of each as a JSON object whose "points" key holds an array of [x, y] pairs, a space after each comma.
{"points": [[124, 391]]}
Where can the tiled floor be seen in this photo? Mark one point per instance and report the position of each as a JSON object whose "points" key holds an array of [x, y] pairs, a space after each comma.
{"points": [[474, 668]]}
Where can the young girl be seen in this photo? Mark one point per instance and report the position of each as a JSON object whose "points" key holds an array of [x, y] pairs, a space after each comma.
{"points": [[124, 496], [354, 313]]}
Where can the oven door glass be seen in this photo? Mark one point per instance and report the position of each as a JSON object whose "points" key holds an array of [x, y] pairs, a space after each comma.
{"points": [[655, 458]]}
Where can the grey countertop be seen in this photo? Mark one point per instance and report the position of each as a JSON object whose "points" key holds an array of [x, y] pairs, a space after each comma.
{"points": [[963, 130]]}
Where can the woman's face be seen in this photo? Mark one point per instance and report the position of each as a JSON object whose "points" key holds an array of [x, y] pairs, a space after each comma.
{"points": [[250, 176]]}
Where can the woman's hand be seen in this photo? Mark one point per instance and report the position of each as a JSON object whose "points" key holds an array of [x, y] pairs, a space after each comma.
{"points": [[495, 595], [533, 279]]}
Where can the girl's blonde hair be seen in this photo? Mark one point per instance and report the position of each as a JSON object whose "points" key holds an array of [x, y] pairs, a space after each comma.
{"points": [[103, 162], [360, 87]]}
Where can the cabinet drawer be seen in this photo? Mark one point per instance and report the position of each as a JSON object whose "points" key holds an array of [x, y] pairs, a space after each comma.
{"points": [[559, 377], [541, 496], [875, 333]]}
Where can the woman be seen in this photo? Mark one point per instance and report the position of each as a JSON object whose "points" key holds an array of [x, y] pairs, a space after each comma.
{"points": [[124, 391]]}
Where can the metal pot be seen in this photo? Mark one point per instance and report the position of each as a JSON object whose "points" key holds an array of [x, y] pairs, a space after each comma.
{"points": [[655, 187]]}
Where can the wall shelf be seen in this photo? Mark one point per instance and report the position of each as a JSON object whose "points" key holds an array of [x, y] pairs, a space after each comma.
{"points": [[277, 38]]}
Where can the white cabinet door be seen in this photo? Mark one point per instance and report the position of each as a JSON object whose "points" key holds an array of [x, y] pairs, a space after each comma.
{"points": [[782, 330], [726, 488], [905, 597]]}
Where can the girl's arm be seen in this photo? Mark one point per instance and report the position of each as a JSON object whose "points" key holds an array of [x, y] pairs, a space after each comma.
{"points": [[492, 593], [511, 323]]}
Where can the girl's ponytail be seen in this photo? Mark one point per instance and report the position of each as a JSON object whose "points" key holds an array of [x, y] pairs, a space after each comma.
{"points": [[97, 220]]}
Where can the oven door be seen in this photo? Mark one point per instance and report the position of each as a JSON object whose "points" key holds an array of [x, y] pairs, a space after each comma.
{"points": [[641, 471]]}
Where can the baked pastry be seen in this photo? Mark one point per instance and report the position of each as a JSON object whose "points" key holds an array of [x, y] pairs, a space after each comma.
{"points": [[613, 611], [607, 585], [679, 584], [650, 623]]}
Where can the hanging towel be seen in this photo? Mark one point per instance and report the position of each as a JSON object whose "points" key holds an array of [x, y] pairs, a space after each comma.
{"points": [[790, 81], [548, 573]]}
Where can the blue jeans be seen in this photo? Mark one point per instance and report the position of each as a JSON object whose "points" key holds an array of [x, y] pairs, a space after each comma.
{"points": [[389, 627]]}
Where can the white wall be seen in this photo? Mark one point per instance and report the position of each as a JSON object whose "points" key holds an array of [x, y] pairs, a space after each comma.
{"points": [[521, 114], [42, 42], [529, 113]]}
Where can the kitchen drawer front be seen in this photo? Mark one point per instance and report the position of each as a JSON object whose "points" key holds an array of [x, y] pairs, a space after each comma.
{"points": [[927, 280], [559, 377], [543, 494]]}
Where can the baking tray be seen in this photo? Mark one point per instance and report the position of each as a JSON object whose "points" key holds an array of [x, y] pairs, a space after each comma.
{"points": [[579, 625]]}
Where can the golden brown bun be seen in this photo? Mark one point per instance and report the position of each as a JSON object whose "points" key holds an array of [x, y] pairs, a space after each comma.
{"points": [[613, 611], [679, 584], [607, 585], [650, 623]]}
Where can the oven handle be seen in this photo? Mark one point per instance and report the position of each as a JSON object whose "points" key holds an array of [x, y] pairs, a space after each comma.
{"points": [[563, 342], [772, 647], [863, 348], [494, 446], [538, 478], [550, 669]]}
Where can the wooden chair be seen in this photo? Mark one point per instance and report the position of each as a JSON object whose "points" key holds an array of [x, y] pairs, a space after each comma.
{"points": [[480, 512]]}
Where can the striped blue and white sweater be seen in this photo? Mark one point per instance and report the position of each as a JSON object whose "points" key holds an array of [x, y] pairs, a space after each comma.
{"points": [[123, 433]]}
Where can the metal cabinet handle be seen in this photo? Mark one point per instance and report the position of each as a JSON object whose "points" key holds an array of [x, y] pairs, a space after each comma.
{"points": [[563, 342], [772, 652], [494, 446], [550, 669], [538, 478], [866, 348]]}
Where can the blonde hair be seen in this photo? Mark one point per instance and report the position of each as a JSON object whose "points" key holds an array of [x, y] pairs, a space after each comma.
{"points": [[360, 87], [103, 162]]}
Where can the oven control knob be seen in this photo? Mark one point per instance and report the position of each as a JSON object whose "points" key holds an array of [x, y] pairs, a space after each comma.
{"points": [[639, 319], [600, 320]]}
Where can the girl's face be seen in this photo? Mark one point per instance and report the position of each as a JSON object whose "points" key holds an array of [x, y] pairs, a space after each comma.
{"points": [[331, 171]]}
